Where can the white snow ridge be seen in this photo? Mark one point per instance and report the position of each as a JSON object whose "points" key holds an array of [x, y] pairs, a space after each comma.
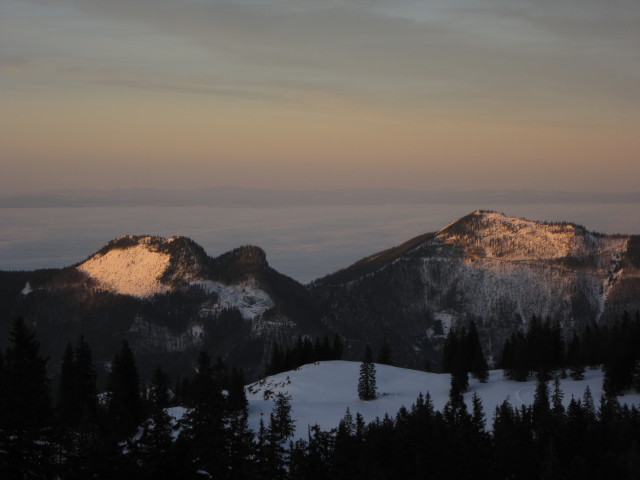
{"points": [[135, 271]]}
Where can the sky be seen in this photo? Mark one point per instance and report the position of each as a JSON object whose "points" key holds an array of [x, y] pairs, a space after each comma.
{"points": [[302, 94]]}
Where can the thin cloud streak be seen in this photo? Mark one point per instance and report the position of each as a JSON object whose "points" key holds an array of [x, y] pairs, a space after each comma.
{"points": [[460, 52]]}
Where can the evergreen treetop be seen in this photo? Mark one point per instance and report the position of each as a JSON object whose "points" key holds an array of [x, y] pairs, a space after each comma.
{"points": [[367, 380]]}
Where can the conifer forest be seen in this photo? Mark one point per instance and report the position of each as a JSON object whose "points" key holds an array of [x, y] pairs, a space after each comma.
{"points": [[75, 431]]}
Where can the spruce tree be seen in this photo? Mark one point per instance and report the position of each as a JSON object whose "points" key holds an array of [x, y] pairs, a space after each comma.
{"points": [[281, 425], [280, 429], [125, 403], [239, 438], [68, 404], [557, 407], [478, 418], [449, 351], [459, 369], [155, 448], [27, 394], [478, 367], [77, 395], [202, 436], [346, 448], [85, 377], [367, 379], [576, 358], [237, 398], [541, 410], [26, 412], [158, 394], [261, 457]]}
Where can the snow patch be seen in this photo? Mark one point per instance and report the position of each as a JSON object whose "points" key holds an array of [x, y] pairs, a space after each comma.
{"points": [[135, 271], [26, 290], [447, 320], [247, 297]]}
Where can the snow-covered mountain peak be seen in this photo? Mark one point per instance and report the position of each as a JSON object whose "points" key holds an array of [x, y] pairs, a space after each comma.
{"points": [[143, 265], [487, 234], [136, 270]]}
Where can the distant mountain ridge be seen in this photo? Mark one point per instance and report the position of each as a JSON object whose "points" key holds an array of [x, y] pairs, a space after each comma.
{"points": [[170, 299], [494, 269]]}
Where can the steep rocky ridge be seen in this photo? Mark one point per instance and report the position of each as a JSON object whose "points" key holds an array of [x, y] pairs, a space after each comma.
{"points": [[497, 270]]}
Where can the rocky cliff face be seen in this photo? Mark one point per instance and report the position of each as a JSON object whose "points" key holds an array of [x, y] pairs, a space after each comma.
{"points": [[497, 270]]}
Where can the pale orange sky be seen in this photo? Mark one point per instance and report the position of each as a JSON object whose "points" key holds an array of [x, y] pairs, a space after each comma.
{"points": [[333, 94]]}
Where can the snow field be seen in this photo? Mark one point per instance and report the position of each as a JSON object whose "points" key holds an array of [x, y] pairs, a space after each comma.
{"points": [[321, 392]]}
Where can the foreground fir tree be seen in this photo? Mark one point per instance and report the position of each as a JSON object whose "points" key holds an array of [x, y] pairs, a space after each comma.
{"points": [[367, 382], [478, 364], [125, 402], [155, 448], [462, 354], [202, 439], [77, 394], [67, 407], [576, 358], [271, 453], [25, 412]]}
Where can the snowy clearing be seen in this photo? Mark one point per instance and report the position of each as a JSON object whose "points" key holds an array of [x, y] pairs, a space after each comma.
{"points": [[321, 392]]}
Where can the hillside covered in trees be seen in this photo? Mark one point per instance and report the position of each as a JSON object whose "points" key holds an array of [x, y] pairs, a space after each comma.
{"points": [[199, 427]]}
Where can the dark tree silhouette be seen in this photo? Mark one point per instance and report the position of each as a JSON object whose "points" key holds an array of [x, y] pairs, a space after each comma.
{"points": [[367, 380], [26, 411], [125, 403]]}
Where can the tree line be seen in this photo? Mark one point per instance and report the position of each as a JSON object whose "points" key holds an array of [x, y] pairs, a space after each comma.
{"points": [[544, 440], [543, 350], [304, 351], [462, 354], [128, 432]]}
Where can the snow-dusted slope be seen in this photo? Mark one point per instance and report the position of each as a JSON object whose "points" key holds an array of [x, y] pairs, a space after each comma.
{"points": [[247, 297], [486, 234], [495, 269], [172, 298], [136, 270], [523, 268], [321, 392], [143, 267]]}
